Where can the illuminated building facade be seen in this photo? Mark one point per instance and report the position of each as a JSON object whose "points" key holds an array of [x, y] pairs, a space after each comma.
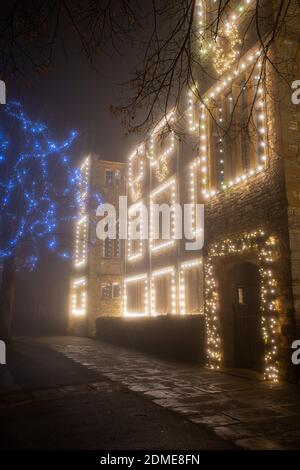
{"points": [[240, 158], [97, 280]]}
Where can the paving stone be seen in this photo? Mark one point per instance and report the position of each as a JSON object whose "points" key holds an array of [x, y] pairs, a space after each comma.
{"points": [[259, 443], [250, 412], [213, 420], [160, 394], [184, 410], [233, 432], [168, 403]]}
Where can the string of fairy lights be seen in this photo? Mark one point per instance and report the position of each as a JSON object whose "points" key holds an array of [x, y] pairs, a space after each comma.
{"points": [[135, 179], [139, 278], [184, 267], [170, 274], [161, 162], [231, 69], [224, 56], [79, 297], [259, 116], [169, 187], [266, 247], [138, 219], [79, 285], [82, 221]]}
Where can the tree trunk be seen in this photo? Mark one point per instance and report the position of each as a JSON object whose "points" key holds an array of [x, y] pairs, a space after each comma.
{"points": [[7, 298]]}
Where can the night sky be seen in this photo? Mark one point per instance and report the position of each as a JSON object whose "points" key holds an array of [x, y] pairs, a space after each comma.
{"points": [[70, 95], [74, 95]]}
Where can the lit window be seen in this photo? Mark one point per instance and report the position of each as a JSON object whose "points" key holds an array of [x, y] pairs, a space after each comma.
{"points": [[136, 295], [163, 292], [135, 243], [136, 173], [241, 296], [165, 194], [233, 128], [191, 287]]}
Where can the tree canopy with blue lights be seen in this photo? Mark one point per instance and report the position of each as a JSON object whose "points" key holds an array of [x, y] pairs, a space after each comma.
{"points": [[37, 194]]}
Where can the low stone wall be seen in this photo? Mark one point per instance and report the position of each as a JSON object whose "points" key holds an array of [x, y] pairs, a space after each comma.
{"points": [[180, 338]]}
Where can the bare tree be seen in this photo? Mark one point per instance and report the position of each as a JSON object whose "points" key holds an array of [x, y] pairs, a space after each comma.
{"points": [[175, 51]]}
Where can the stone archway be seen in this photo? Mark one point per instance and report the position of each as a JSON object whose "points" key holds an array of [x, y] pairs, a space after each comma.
{"points": [[265, 249]]}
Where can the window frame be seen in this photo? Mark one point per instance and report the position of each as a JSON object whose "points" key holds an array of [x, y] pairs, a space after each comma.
{"points": [[209, 189]]}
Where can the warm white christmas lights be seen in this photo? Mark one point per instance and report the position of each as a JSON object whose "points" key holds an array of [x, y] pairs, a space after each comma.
{"points": [[171, 276], [185, 266], [81, 242], [205, 19], [79, 286], [266, 250], [79, 297], [83, 186], [252, 59], [81, 226], [161, 160], [135, 279], [132, 212], [170, 188], [135, 179], [224, 57]]}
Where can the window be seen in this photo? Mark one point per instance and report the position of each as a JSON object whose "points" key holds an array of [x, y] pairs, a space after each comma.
{"points": [[116, 243], [191, 287], [241, 295], [107, 248], [112, 247], [118, 176], [136, 173], [109, 177], [163, 204], [233, 131], [106, 290], [116, 290], [136, 295], [135, 243], [163, 304], [163, 292]]}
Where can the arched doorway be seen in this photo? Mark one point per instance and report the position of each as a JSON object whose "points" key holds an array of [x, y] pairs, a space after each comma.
{"points": [[240, 317]]}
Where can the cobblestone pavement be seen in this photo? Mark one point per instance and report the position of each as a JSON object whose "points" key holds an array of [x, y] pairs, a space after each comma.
{"points": [[250, 413], [48, 401]]}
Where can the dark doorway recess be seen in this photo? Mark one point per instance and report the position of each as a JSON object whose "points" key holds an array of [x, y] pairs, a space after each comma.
{"points": [[241, 316]]}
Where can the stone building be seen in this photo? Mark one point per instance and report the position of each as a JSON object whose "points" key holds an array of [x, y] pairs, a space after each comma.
{"points": [[96, 284], [240, 158], [233, 146]]}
